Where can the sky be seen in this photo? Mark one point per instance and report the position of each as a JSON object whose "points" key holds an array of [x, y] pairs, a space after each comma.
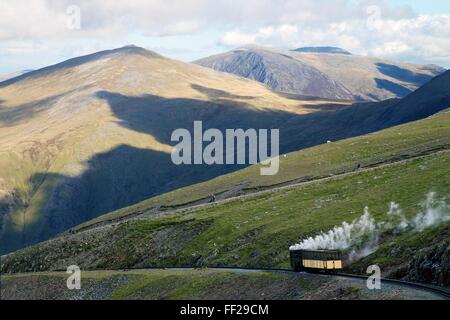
{"points": [[37, 33]]}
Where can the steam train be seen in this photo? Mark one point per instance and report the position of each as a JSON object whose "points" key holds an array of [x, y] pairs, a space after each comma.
{"points": [[328, 261]]}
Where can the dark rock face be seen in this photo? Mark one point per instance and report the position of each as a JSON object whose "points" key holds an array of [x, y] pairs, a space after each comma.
{"points": [[324, 72], [431, 266], [280, 72]]}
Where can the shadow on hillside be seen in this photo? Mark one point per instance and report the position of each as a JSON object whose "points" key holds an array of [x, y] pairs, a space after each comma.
{"points": [[327, 107], [216, 94], [401, 74], [395, 88], [301, 97], [126, 175], [160, 116], [12, 116]]}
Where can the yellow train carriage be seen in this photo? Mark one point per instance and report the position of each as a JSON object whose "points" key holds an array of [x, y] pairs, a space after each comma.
{"points": [[316, 260]]}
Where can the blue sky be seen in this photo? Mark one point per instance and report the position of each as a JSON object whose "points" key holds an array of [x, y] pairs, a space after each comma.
{"points": [[37, 33]]}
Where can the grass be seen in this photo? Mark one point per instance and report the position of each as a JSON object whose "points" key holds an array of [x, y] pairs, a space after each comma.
{"points": [[389, 145], [165, 284], [146, 227], [256, 232], [197, 285]]}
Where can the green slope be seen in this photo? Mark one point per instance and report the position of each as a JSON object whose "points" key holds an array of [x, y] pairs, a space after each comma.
{"points": [[257, 231], [397, 143]]}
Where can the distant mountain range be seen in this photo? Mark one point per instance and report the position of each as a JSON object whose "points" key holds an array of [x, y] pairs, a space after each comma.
{"points": [[92, 134], [326, 72]]}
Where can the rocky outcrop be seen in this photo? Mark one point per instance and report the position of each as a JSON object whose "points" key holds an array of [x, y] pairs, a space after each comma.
{"points": [[431, 266]]}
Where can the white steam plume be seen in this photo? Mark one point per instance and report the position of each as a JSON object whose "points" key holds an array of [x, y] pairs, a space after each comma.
{"points": [[341, 237], [363, 233], [435, 212]]}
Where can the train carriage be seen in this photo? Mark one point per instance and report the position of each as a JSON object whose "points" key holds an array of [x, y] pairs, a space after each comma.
{"points": [[316, 260]]}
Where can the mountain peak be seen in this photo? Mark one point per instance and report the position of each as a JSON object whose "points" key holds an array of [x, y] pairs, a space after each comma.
{"points": [[120, 52], [131, 49], [253, 47], [334, 50]]}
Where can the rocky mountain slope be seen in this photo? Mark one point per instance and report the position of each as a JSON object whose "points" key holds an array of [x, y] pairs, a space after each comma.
{"points": [[324, 72], [278, 71]]}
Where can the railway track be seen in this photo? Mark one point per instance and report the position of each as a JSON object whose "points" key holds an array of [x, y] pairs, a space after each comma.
{"points": [[422, 286], [441, 291], [444, 292]]}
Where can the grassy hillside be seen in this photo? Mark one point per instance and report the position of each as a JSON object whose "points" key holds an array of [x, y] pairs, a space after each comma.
{"points": [[257, 231], [401, 142], [198, 285]]}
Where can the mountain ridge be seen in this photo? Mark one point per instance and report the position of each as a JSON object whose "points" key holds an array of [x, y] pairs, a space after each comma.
{"points": [[129, 49]]}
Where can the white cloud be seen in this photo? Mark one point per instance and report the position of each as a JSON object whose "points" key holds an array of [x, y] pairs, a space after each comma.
{"points": [[423, 38], [236, 38], [48, 18], [280, 35], [392, 48], [364, 27]]}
